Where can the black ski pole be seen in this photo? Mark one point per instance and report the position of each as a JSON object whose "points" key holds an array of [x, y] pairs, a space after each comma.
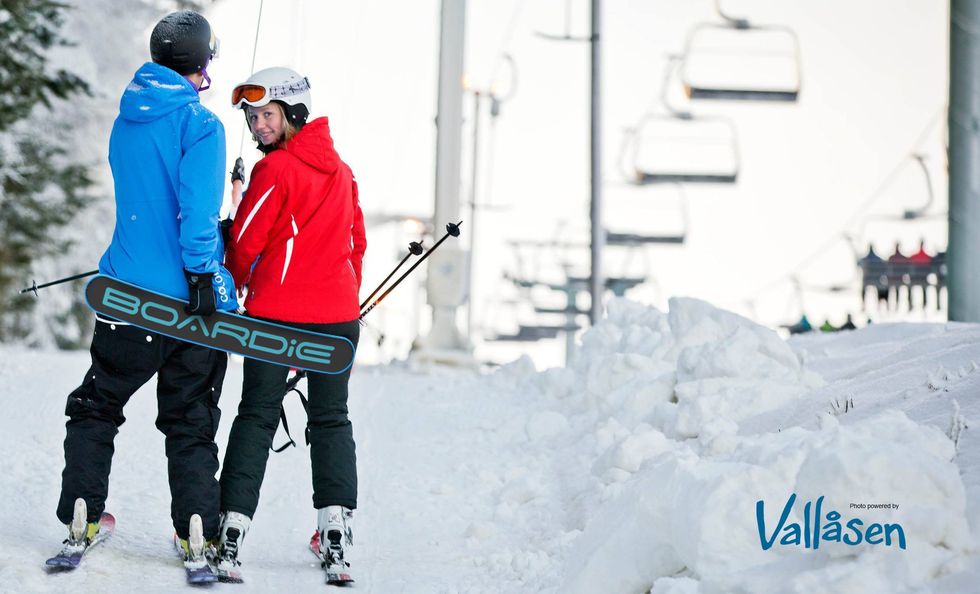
{"points": [[451, 229], [300, 374], [34, 286], [414, 249]]}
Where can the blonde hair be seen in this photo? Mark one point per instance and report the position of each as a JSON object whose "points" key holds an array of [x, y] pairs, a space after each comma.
{"points": [[289, 129]]}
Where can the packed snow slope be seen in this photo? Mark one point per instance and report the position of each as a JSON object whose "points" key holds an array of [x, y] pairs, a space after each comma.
{"points": [[661, 459]]}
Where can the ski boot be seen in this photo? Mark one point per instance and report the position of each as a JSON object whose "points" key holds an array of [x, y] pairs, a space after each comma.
{"points": [[194, 552], [80, 531], [334, 531], [82, 535], [234, 526]]}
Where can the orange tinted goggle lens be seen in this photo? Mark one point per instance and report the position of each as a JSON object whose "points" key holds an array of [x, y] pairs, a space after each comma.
{"points": [[250, 93]]}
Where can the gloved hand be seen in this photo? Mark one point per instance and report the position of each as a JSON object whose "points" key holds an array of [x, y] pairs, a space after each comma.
{"points": [[238, 171], [237, 181], [224, 225], [200, 293]]}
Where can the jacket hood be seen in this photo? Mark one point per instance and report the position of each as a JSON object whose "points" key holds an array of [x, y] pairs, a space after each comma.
{"points": [[314, 146], [154, 92]]}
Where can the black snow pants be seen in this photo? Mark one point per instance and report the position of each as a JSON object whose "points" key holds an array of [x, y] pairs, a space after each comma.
{"points": [[189, 380], [331, 436]]}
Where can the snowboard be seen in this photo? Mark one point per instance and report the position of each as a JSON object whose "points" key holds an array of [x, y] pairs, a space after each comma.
{"points": [[70, 557], [224, 331]]}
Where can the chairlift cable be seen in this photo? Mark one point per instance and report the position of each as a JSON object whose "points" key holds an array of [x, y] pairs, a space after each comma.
{"points": [[251, 69]]}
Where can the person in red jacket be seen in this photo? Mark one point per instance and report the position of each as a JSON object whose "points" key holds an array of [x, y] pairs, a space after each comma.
{"points": [[296, 243]]}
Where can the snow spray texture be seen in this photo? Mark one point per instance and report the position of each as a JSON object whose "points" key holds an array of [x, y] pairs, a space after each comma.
{"points": [[250, 337]]}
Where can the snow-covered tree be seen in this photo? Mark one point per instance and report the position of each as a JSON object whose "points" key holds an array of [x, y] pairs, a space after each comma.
{"points": [[41, 186]]}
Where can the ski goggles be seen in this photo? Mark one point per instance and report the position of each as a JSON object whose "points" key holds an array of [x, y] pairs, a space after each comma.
{"points": [[259, 95]]}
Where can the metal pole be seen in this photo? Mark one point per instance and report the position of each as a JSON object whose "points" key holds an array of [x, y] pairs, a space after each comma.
{"points": [[596, 282], [473, 207], [963, 280], [445, 283]]}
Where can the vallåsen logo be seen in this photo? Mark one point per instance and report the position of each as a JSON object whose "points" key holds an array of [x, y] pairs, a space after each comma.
{"points": [[813, 531]]}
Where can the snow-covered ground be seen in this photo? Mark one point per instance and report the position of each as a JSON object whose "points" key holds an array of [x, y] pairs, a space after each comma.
{"points": [[636, 468]]}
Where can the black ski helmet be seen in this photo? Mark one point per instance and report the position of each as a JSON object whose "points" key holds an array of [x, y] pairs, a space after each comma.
{"points": [[183, 42]]}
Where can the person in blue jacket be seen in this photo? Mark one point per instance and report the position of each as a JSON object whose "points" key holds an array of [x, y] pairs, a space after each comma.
{"points": [[167, 155]]}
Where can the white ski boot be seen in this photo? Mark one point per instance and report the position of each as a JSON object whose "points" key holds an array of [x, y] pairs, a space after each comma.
{"points": [[334, 525], [78, 529], [82, 535], [234, 526], [195, 552]]}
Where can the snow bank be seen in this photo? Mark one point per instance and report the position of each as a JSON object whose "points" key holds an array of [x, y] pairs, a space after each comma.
{"points": [[696, 514], [650, 410]]}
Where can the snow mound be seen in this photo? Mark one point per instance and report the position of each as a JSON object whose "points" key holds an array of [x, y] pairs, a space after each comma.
{"points": [[696, 515], [667, 501]]}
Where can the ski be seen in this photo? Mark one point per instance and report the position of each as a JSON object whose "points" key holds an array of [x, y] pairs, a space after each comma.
{"points": [[224, 331], [198, 572], [336, 575], [71, 555]]}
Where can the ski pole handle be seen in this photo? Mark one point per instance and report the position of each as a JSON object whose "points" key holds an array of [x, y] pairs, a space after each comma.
{"points": [[414, 249], [451, 229]]}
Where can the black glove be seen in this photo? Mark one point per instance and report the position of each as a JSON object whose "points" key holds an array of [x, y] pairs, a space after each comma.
{"points": [[200, 293], [224, 225], [238, 171]]}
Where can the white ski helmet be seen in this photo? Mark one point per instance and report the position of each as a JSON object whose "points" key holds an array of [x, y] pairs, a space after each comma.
{"points": [[282, 85]]}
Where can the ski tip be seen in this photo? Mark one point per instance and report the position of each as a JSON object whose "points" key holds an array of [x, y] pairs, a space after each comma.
{"points": [[59, 564], [207, 578]]}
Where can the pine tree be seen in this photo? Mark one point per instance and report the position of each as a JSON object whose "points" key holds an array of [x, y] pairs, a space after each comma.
{"points": [[41, 188]]}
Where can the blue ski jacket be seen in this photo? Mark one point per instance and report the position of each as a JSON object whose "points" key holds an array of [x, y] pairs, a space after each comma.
{"points": [[167, 154]]}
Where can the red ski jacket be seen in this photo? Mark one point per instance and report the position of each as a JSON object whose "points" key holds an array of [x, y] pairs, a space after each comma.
{"points": [[301, 226]]}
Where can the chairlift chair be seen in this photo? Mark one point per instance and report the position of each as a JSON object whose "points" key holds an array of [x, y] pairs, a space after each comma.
{"points": [[899, 273], [743, 41], [677, 146], [636, 232], [531, 333], [685, 149]]}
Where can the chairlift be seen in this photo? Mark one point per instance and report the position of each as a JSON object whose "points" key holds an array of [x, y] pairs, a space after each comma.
{"points": [[678, 147], [636, 234], [774, 51], [684, 149], [567, 35], [617, 284], [909, 214], [565, 311], [577, 284], [533, 333]]}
